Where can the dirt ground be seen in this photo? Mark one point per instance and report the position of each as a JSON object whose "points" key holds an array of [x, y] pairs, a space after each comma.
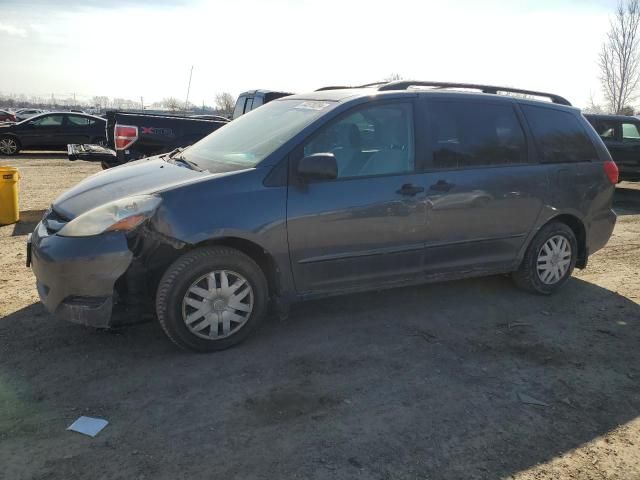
{"points": [[427, 382]]}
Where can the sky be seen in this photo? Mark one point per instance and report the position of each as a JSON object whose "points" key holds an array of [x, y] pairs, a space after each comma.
{"points": [[143, 48]]}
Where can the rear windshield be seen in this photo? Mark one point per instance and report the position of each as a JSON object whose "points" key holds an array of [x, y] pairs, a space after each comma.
{"points": [[246, 141]]}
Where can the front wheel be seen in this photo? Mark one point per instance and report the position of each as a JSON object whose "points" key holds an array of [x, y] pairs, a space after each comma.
{"points": [[9, 146], [211, 299], [549, 259]]}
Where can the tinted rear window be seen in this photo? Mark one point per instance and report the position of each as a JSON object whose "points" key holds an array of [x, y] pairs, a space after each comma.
{"points": [[471, 134], [559, 135]]}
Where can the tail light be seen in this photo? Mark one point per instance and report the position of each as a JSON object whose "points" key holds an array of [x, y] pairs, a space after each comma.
{"points": [[125, 136], [611, 169]]}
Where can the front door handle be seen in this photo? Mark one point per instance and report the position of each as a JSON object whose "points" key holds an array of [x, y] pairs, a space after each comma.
{"points": [[410, 190]]}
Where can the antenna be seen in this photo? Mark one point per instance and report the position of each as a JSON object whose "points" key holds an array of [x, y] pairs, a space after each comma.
{"points": [[186, 102]]}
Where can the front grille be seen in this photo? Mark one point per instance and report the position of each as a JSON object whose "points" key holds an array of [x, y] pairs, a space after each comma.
{"points": [[53, 221]]}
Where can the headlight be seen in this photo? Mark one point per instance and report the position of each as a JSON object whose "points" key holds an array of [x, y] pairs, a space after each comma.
{"points": [[121, 215]]}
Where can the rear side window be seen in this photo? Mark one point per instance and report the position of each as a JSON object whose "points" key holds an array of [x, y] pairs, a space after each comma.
{"points": [[80, 121], [559, 135], [239, 108], [473, 134], [249, 105]]}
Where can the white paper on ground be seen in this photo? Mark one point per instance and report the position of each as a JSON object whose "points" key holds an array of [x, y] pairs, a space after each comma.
{"points": [[88, 425]]}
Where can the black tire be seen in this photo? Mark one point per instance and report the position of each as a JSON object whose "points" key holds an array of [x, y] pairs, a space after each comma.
{"points": [[187, 269], [527, 276], [5, 143]]}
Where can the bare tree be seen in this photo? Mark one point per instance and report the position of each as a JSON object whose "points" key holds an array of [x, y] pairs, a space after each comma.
{"points": [[393, 77], [627, 110], [100, 101], [225, 103], [620, 56], [171, 103], [592, 106]]}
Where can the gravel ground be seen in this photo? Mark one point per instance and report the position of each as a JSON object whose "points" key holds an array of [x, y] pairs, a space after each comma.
{"points": [[426, 382]]}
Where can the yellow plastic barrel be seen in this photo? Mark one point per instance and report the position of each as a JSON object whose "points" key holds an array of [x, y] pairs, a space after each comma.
{"points": [[9, 207]]}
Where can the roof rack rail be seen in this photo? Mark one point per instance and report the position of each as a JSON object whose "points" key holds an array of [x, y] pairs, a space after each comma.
{"points": [[342, 87], [405, 84]]}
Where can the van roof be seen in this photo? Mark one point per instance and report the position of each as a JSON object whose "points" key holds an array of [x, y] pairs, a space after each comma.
{"points": [[341, 93]]}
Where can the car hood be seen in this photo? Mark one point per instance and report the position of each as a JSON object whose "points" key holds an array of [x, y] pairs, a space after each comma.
{"points": [[140, 177]]}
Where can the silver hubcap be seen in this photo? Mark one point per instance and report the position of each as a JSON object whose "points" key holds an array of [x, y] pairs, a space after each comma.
{"points": [[554, 259], [8, 146], [217, 304]]}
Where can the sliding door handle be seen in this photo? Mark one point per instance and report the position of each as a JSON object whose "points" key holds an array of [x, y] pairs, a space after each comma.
{"points": [[441, 186], [410, 190]]}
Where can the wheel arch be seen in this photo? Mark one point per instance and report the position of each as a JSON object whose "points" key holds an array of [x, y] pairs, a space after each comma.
{"points": [[14, 136], [256, 252]]}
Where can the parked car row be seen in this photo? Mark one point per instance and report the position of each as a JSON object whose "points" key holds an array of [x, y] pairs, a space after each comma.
{"points": [[121, 136], [51, 131], [325, 193], [131, 136]]}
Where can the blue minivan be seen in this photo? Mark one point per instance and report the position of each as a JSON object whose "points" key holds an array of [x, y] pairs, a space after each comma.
{"points": [[331, 192]]}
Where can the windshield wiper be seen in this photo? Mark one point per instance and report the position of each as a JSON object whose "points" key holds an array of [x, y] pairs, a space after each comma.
{"points": [[174, 157], [187, 163], [173, 152]]}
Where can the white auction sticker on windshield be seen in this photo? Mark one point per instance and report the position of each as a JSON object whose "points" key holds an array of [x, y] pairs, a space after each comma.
{"points": [[313, 105]]}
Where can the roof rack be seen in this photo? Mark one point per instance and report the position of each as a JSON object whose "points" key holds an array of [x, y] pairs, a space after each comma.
{"points": [[342, 87], [405, 84]]}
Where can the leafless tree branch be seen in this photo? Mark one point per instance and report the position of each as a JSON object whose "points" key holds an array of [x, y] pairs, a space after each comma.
{"points": [[619, 59], [225, 103]]}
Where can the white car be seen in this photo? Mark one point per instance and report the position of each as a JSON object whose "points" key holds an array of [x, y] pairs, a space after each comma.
{"points": [[24, 113]]}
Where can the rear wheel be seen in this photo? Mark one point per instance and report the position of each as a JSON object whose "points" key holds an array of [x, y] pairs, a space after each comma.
{"points": [[549, 260], [9, 145], [211, 298]]}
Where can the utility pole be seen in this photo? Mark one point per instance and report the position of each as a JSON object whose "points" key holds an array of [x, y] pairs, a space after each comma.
{"points": [[141, 102], [186, 102]]}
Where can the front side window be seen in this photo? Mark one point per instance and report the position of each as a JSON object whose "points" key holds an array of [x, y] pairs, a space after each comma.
{"points": [[630, 132], [472, 134], [559, 135], [376, 140], [48, 121]]}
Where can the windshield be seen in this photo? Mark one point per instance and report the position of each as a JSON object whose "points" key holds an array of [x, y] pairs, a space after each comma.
{"points": [[249, 139]]}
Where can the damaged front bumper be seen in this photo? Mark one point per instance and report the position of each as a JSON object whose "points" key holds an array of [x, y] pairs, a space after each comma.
{"points": [[76, 275]]}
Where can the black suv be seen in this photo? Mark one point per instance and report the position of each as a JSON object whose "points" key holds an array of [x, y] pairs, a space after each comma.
{"points": [[621, 135], [327, 193]]}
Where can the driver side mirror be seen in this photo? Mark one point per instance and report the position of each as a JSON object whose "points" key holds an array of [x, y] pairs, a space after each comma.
{"points": [[319, 166]]}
